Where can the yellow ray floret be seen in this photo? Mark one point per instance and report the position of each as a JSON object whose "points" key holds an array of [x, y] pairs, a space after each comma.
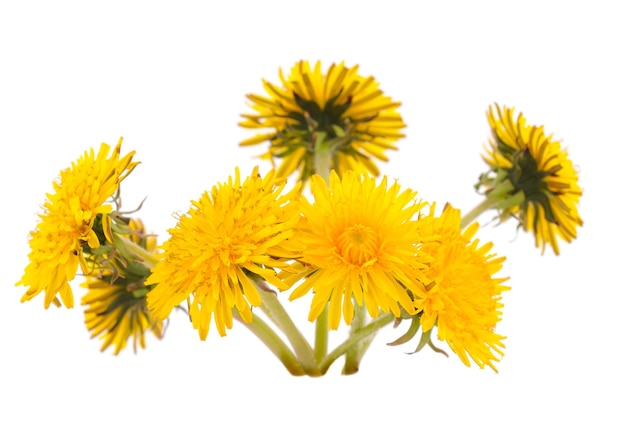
{"points": [[464, 299], [237, 229], [361, 240], [67, 222]]}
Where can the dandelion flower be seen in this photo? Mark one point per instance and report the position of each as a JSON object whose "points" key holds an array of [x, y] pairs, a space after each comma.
{"points": [[238, 229], [538, 172], [116, 305], [67, 223], [360, 240], [339, 112], [464, 299]]}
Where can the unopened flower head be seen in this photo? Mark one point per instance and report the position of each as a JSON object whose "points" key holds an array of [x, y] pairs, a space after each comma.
{"points": [[337, 114], [67, 223], [360, 239], [238, 229], [464, 299], [116, 302], [531, 178]]}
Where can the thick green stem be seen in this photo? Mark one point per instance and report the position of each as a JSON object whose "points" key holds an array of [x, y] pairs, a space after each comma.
{"points": [[471, 216], [277, 313], [149, 260], [321, 335], [322, 162], [274, 343], [322, 156], [362, 349], [354, 338], [501, 195], [354, 354]]}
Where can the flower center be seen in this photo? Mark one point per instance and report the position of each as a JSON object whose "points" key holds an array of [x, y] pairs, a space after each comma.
{"points": [[224, 250], [358, 245]]}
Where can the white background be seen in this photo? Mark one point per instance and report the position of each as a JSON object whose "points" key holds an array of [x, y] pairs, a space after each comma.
{"points": [[172, 78]]}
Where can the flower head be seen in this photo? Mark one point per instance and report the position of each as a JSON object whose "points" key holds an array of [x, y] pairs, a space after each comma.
{"points": [[360, 240], [338, 112], [531, 178], [67, 223], [463, 300], [116, 304], [238, 229]]}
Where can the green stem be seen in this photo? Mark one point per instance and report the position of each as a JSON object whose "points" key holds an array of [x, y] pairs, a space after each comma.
{"points": [[270, 339], [354, 338], [321, 335], [149, 260], [354, 354], [322, 156], [277, 313], [501, 195], [322, 162], [362, 349], [471, 216]]}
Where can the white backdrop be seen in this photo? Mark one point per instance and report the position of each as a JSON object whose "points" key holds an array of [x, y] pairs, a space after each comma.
{"points": [[171, 78]]}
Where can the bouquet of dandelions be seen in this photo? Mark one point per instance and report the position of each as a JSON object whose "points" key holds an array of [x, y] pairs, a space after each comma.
{"points": [[366, 251]]}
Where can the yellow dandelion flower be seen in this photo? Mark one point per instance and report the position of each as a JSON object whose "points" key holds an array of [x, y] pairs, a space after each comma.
{"points": [[116, 305], [539, 172], [464, 300], [67, 223], [236, 229], [338, 111], [360, 240]]}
